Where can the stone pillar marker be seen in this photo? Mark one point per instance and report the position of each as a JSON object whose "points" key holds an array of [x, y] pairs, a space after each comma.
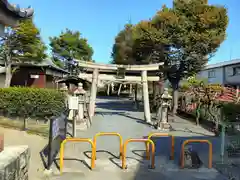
{"points": [[163, 114], [147, 113], [93, 94]]}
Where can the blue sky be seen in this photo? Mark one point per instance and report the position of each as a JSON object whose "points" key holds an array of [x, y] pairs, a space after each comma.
{"points": [[100, 20]]}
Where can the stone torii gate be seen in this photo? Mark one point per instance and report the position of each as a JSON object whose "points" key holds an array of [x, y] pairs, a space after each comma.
{"points": [[95, 73]]}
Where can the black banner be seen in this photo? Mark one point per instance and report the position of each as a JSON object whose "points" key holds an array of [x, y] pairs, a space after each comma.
{"points": [[57, 133]]}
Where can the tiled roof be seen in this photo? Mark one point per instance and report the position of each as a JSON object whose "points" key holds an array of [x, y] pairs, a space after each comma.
{"points": [[45, 63], [222, 64], [15, 10]]}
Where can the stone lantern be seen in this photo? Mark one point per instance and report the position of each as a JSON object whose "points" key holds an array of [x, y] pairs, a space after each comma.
{"points": [[64, 89], [80, 93], [165, 104]]}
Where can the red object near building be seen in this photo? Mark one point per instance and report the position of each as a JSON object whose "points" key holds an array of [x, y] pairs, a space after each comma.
{"points": [[42, 75]]}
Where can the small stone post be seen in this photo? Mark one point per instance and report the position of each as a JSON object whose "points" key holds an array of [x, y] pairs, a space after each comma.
{"points": [[147, 113], [163, 118]]}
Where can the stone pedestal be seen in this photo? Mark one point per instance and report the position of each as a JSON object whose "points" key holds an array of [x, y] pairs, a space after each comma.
{"points": [[164, 126], [163, 118], [14, 163]]}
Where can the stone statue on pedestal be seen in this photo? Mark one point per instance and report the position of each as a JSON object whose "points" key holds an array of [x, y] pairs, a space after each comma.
{"points": [[163, 111]]}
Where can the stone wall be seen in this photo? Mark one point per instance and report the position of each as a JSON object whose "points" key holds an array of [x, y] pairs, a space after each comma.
{"points": [[14, 163]]}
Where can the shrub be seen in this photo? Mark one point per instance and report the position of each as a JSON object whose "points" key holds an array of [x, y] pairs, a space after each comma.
{"points": [[231, 112], [31, 102]]}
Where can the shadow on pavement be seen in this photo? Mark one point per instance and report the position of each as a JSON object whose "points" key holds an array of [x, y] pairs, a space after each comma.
{"points": [[117, 106], [169, 169], [188, 131], [72, 159], [139, 153], [122, 113], [43, 155], [89, 153], [116, 161]]}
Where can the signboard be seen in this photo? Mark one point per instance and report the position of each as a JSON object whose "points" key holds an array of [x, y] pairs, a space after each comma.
{"points": [[121, 73], [34, 76], [73, 102], [57, 133]]}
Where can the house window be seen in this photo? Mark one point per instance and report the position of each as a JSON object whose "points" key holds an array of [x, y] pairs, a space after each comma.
{"points": [[236, 70], [211, 74]]}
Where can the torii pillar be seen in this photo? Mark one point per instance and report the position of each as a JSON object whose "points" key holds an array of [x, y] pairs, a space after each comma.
{"points": [[93, 94], [147, 114]]}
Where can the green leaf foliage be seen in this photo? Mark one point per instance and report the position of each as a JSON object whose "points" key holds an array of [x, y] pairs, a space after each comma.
{"points": [[31, 102], [184, 37], [122, 49], [23, 43], [70, 45]]}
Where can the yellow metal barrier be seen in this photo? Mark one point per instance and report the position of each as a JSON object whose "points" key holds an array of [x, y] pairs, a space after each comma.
{"points": [[137, 140], [198, 141], [76, 140], [108, 134], [160, 135]]}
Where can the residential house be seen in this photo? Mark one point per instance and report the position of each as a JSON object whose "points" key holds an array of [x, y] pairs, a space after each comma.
{"points": [[41, 75], [226, 73]]}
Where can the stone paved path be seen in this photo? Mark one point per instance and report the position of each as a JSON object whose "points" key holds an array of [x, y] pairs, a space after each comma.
{"points": [[118, 115]]}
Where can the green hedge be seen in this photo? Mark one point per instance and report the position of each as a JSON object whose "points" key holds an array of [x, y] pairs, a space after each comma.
{"points": [[31, 102]]}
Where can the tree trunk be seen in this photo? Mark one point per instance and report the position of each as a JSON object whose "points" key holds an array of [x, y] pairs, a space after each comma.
{"points": [[8, 77], [175, 87]]}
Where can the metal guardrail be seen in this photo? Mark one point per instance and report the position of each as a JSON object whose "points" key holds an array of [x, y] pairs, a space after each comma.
{"points": [[76, 140], [137, 140], [109, 134], [197, 141], [160, 135], [123, 148]]}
